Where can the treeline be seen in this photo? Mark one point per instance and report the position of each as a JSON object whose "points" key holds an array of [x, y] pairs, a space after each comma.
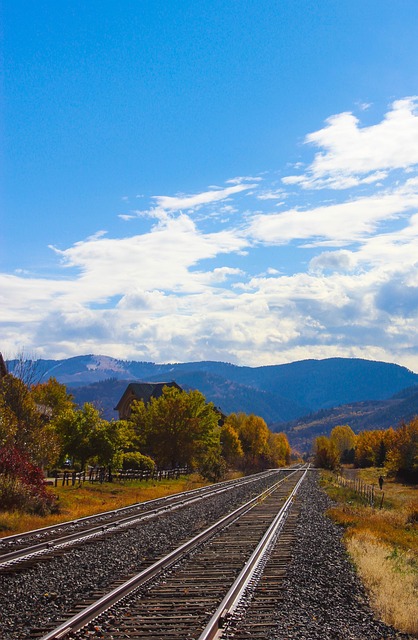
{"points": [[394, 449], [41, 427]]}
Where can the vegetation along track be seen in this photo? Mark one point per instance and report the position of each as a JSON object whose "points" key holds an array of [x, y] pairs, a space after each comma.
{"points": [[26, 549], [201, 589]]}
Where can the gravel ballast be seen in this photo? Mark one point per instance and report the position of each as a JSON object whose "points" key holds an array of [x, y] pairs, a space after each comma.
{"points": [[325, 599], [38, 595]]}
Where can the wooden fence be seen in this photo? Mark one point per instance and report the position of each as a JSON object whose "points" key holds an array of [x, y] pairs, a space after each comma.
{"points": [[366, 491], [103, 474]]}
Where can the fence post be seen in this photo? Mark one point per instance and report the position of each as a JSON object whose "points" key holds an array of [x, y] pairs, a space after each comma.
{"points": [[381, 500]]}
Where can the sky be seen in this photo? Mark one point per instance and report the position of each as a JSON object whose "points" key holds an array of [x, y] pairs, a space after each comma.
{"points": [[233, 181]]}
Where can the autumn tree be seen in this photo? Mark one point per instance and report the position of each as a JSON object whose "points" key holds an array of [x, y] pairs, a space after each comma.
{"points": [[253, 434], [52, 397], [403, 456], [179, 428], [367, 448], [278, 450], [231, 445], [23, 423], [326, 453], [344, 439], [27, 444]]}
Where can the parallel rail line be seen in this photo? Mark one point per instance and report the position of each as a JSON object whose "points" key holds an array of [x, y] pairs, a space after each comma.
{"points": [[183, 594], [56, 539]]}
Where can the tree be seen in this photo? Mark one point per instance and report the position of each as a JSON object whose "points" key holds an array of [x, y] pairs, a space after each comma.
{"points": [[278, 450], [253, 434], [84, 434], [326, 453], [178, 428], [403, 457], [231, 445], [23, 424], [344, 439], [367, 448], [52, 397]]}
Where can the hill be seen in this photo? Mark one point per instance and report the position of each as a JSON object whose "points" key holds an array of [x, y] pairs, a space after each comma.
{"points": [[360, 416], [279, 393]]}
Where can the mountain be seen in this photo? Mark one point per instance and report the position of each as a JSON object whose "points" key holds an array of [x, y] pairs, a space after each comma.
{"points": [[360, 416], [278, 393]]}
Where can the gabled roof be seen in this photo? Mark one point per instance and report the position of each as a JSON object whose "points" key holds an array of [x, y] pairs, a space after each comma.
{"points": [[144, 391]]}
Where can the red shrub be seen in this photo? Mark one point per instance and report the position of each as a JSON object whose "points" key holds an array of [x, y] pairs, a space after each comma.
{"points": [[22, 483]]}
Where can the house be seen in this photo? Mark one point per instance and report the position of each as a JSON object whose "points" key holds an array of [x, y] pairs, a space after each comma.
{"points": [[140, 391]]}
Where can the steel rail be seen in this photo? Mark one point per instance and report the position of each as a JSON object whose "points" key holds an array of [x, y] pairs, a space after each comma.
{"points": [[41, 548], [87, 615], [16, 537], [216, 626]]}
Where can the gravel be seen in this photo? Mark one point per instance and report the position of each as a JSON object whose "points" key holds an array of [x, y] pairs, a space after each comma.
{"points": [[326, 599], [40, 594]]}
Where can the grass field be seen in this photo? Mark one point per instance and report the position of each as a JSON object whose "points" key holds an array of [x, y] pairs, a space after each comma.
{"points": [[87, 499], [383, 544]]}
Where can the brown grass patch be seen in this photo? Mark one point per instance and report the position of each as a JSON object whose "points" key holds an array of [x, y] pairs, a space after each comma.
{"points": [[87, 499], [391, 579], [384, 546]]}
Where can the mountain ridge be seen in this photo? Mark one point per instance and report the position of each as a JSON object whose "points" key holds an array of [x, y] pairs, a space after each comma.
{"points": [[279, 393]]}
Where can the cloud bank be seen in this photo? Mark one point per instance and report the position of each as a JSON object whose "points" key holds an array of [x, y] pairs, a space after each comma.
{"points": [[225, 275]]}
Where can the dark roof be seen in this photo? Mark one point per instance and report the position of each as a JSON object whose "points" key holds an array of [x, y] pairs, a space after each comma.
{"points": [[145, 391]]}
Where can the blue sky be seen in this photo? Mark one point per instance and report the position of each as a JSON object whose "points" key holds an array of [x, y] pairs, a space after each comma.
{"points": [[232, 181]]}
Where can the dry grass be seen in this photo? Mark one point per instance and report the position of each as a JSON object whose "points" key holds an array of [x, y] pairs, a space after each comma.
{"points": [[84, 500], [384, 546], [391, 579]]}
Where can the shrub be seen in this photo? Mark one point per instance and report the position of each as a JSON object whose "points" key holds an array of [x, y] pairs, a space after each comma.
{"points": [[136, 460], [22, 484]]}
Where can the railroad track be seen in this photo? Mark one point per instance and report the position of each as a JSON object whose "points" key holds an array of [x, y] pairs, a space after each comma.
{"points": [[23, 550], [202, 589]]}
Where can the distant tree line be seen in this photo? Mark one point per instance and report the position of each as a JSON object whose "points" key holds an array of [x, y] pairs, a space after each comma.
{"points": [[41, 427], [394, 449]]}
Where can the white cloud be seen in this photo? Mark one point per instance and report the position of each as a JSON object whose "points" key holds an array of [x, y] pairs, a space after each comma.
{"points": [[177, 203], [338, 224], [351, 155], [337, 277], [341, 261], [272, 194]]}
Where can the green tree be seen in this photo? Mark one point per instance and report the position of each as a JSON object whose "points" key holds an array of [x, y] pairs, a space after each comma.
{"points": [[178, 428], [84, 434]]}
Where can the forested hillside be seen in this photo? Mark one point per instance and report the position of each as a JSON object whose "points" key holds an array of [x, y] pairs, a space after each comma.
{"points": [[278, 393], [360, 416]]}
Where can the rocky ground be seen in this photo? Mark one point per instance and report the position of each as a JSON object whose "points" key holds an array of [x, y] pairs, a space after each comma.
{"points": [[326, 600]]}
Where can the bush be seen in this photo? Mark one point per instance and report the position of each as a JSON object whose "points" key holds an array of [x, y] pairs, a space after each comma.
{"points": [[213, 467], [22, 484], [137, 461]]}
